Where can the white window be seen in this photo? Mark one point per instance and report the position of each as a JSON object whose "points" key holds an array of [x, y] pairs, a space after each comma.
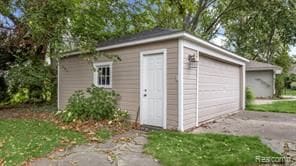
{"points": [[103, 74]]}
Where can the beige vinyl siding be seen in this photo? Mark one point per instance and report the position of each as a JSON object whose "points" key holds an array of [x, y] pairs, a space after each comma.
{"points": [[190, 95], [77, 74], [219, 88]]}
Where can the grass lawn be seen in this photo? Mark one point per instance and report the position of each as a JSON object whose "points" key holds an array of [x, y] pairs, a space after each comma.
{"points": [[174, 149], [21, 140], [280, 106], [290, 92]]}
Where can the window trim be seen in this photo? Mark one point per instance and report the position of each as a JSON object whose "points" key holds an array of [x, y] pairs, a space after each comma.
{"points": [[95, 74]]}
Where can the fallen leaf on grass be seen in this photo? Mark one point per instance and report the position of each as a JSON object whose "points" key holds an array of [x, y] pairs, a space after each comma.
{"points": [[1, 144], [1, 162], [61, 150]]}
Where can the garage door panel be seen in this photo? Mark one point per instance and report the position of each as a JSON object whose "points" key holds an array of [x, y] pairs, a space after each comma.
{"points": [[213, 109], [219, 88], [217, 102], [217, 96], [211, 112]]}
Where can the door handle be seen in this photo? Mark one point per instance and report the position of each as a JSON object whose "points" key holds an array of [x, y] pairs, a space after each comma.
{"points": [[145, 95]]}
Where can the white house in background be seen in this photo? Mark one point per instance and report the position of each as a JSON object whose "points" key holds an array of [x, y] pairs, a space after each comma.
{"points": [[176, 79], [260, 78]]}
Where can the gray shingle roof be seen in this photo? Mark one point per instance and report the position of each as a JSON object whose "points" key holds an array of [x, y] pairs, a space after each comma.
{"points": [[254, 65], [156, 32]]}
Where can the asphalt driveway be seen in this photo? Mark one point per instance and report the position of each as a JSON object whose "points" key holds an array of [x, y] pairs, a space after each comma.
{"points": [[274, 129]]}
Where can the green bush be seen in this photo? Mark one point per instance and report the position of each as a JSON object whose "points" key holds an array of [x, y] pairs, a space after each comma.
{"points": [[30, 82], [249, 97], [293, 85], [279, 85], [3, 89], [97, 104]]}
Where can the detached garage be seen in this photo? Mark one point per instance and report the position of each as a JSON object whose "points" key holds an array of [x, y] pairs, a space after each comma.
{"points": [[176, 79], [260, 78]]}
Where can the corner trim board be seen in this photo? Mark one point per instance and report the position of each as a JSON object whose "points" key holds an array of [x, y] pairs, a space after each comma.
{"points": [[243, 87], [180, 85], [58, 86]]}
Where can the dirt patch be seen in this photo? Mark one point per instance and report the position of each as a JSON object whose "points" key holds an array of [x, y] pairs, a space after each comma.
{"points": [[26, 112], [47, 113]]}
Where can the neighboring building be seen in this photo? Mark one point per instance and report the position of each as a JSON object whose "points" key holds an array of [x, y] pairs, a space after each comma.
{"points": [[260, 78], [292, 69], [177, 79]]}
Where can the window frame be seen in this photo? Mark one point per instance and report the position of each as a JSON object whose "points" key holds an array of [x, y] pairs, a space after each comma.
{"points": [[95, 74]]}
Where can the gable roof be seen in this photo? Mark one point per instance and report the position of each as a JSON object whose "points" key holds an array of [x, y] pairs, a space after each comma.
{"points": [[155, 35], [260, 66], [156, 32]]}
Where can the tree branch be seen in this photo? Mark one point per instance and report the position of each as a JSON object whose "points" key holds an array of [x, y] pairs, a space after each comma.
{"points": [[226, 10]]}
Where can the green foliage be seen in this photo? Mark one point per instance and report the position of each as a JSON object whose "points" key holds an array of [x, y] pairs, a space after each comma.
{"points": [[289, 80], [176, 149], [282, 80], [262, 30], [249, 97], [97, 104], [279, 106], [279, 85], [32, 82], [293, 85], [22, 140], [103, 134], [120, 115], [3, 89]]}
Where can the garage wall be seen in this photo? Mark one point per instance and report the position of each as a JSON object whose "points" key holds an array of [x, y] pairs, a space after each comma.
{"points": [[190, 91], [260, 83], [77, 74], [219, 88]]}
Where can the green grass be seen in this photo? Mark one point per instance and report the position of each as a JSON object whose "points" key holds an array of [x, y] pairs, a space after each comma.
{"points": [[176, 149], [280, 106], [21, 140], [103, 134], [290, 92]]}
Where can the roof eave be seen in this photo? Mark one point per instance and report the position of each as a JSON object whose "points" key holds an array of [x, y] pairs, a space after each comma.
{"points": [[161, 38], [214, 47], [275, 70]]}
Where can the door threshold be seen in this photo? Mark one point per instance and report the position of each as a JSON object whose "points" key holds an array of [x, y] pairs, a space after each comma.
{"points": [[150, 128]]}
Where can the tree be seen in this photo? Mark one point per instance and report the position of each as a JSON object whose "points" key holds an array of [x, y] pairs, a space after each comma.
{"points": [[262, 30], [29, 30], [203, 17], [50, 27]]}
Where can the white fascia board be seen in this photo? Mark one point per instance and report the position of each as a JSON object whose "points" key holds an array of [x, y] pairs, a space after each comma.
{"points": [[132, 43], [167, 37], [212, 53], [137, 42], [213, 47]]}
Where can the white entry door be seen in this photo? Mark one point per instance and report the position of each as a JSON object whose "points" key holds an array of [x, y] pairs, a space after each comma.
{"points": [[152, 87]]}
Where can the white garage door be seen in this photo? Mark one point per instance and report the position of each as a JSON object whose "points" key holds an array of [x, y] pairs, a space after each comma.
{"points": [[219, 88]]}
